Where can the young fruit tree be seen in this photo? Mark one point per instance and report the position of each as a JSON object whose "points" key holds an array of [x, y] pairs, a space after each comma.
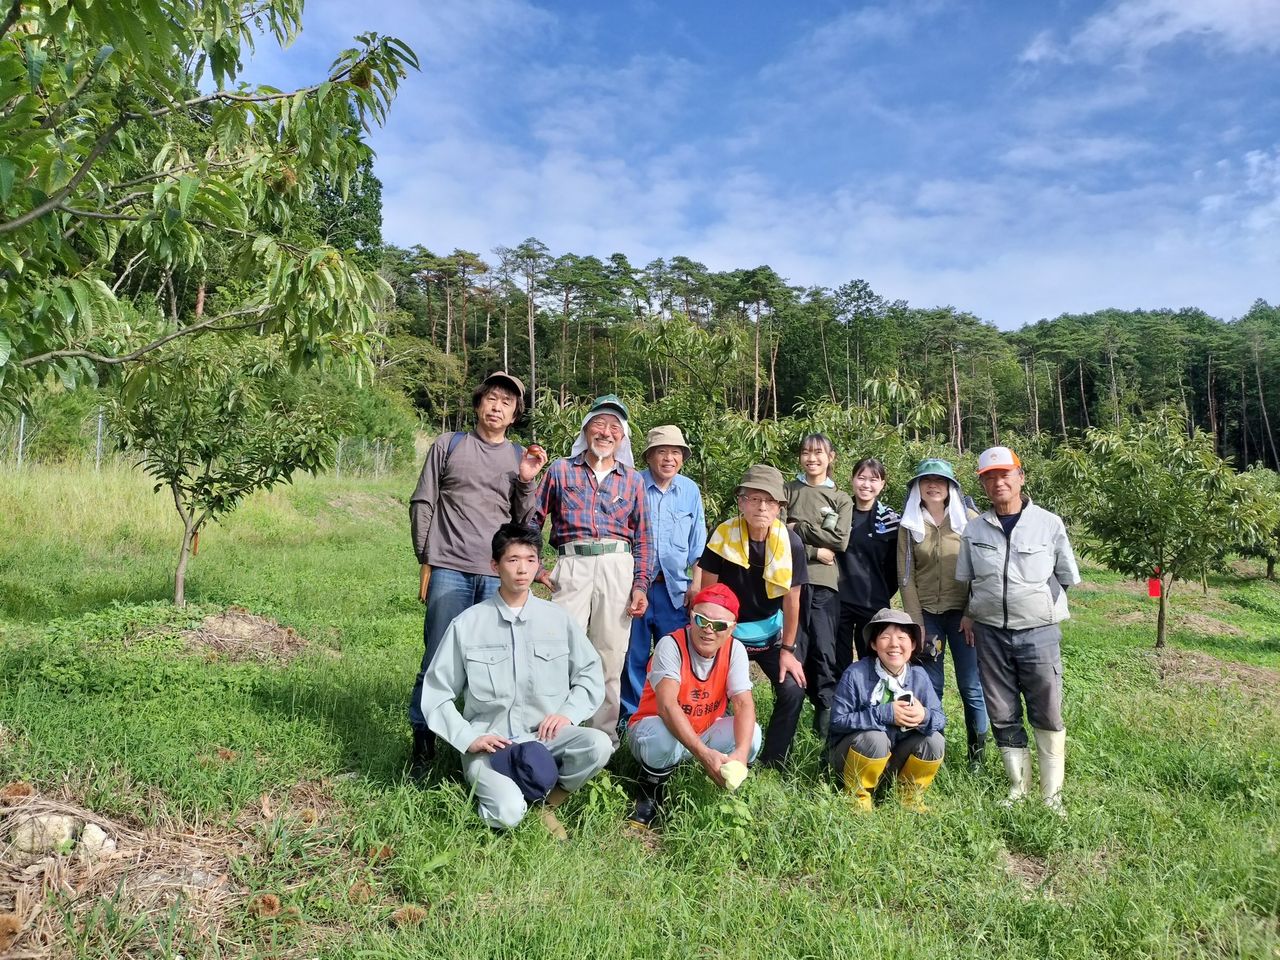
{"points": [[1157, 502], [146, 194], [1266, 484], [217, 421]]}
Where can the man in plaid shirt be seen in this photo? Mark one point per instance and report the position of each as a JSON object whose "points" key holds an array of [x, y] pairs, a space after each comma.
{"points": [[595, 501]]}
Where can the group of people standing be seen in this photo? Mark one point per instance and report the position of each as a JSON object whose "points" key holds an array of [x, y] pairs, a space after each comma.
{"points": [[653, 624]]}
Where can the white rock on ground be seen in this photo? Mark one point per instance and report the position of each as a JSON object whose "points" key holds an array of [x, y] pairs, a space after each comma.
{"points": [[44, 833], [94, 842]]}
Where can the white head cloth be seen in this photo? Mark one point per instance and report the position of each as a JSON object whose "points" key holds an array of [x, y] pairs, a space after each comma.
{"points": [[622, 454]]}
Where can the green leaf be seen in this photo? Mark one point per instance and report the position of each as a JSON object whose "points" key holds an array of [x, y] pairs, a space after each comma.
{"points": [[64, 304], [36, 59], [84, 301], [7, 171], [187, 187], [6, 348]]}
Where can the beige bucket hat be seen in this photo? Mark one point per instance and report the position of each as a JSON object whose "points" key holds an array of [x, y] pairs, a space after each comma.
{"points": [[665, 436]]}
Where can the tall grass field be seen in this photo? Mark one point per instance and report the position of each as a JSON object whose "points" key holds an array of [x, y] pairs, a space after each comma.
{"points": [[262, 809]]}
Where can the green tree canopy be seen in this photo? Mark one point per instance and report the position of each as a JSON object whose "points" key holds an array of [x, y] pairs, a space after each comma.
{"points": [[1157, 501], [115, 159]]}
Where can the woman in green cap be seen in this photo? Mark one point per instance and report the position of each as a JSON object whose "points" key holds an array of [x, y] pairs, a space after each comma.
{"points": [[933, 519]]}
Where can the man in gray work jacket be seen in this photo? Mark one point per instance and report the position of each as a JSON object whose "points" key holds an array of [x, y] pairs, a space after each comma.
{"points": [[471, 484], [528, 676], [1019, 564]]}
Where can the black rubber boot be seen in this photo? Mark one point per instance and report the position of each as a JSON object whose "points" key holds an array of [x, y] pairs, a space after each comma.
{"points": [[651, 788], [822, 722], [424, 754], [977, 749]]}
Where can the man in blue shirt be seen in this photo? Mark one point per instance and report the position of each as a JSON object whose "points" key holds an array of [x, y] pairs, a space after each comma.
{"points": [[678, 534]]}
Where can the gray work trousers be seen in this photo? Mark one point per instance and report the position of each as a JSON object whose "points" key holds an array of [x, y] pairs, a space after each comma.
{"points": [[1018, 665], [580, 753], [874, 744]]}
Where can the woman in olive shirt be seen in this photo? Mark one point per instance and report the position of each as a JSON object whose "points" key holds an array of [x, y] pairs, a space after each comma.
{"points": [[933, 519], [819, 512]]}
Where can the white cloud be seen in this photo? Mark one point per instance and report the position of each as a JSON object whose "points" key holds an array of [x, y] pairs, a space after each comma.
{"points": [[1133, 28], [497, 140], [834, 42], [1068, 153], [1041, 49]]}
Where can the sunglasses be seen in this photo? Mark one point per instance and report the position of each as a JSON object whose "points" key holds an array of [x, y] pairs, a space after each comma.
{"points": [[717, 625]]}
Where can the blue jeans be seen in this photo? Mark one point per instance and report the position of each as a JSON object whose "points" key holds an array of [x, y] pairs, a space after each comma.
{"points": [[946, 627], [660, 619], [448, 594]]}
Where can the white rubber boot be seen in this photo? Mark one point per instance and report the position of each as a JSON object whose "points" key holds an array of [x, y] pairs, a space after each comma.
{"points": [[1051, 754], [1017, 767]]}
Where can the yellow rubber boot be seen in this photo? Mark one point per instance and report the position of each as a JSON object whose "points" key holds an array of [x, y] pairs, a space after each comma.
{"points": [[914, 779], [861, 774]]}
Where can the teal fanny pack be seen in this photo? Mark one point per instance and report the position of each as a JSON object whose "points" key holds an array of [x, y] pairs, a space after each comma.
{"points": [[757, 634]]}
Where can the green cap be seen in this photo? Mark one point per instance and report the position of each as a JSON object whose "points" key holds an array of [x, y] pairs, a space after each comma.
{"points": [[609, 403], [933, 467]]}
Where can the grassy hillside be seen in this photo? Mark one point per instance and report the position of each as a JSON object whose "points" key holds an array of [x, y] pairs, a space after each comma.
{"points": [[262, 809]]}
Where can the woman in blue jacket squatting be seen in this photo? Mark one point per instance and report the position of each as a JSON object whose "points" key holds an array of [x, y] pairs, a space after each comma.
{"points": [[886, 717]]}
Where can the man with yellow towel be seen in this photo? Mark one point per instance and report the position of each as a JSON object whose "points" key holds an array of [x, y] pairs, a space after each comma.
{"points": [[763, 563]]}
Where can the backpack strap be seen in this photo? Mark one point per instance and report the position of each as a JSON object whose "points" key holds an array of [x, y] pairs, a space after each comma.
{"points": [[453, 445]]}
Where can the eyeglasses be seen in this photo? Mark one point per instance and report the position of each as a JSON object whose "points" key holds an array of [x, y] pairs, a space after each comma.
{"points": [[756, 501], [717, 625]]}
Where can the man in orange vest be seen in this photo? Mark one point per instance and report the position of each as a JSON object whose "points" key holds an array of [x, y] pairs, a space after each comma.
{"points": [[695, 674]]}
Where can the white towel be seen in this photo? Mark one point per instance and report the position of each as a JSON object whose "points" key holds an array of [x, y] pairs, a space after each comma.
{"points": [[914, 515]]}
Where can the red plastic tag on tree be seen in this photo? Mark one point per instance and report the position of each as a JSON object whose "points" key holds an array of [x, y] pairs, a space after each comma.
{"points": [[1153, 584]]}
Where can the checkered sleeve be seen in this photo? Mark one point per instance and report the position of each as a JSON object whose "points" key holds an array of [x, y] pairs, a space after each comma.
{"points": [[641, 545]]}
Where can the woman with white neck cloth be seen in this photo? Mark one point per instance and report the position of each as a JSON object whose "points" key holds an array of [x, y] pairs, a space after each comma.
{"points": [[933, 519]]}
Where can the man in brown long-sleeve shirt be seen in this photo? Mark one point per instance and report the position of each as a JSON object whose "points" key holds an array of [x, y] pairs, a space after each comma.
{"points": [[471, 484]]}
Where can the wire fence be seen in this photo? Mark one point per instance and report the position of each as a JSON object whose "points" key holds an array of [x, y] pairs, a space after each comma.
{"points": [[92, 441]]}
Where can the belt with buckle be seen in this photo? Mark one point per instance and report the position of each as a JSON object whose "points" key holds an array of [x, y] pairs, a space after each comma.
{"points": [[593, 548]]}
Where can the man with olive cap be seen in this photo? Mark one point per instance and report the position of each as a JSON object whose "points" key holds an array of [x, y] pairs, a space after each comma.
{"points": [[595, 501], [678, 532], [763, 562], [1019, 563], [696, 673], [471, 483]]}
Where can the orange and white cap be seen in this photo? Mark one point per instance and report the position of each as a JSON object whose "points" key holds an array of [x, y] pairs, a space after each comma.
{"points": [[998, 458]]}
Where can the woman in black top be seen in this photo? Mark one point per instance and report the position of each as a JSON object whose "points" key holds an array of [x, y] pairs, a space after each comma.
{"points": [[869, 565]]}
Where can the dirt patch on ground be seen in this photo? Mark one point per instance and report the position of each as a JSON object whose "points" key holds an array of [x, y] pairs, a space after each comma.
{"points": [[1132, 618], [167, 884], [238, 635], [1028, 869], [1180, 620], [365, 506], [1193, 668], [1118, 586], [1209, 626]]}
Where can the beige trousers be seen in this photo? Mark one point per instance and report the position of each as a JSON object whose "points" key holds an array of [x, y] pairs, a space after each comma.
{"points": [[596, 592]]}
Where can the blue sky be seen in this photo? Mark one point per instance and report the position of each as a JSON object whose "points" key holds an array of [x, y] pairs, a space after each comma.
{"points": [[1014, 159]]}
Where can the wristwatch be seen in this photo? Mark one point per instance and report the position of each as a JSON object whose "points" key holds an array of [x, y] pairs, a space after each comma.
{"points": [[790, 649]]}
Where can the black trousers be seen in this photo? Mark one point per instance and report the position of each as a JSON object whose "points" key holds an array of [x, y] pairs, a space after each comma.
{"points": [[849, 636], [819, 659], [788, 701]]}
